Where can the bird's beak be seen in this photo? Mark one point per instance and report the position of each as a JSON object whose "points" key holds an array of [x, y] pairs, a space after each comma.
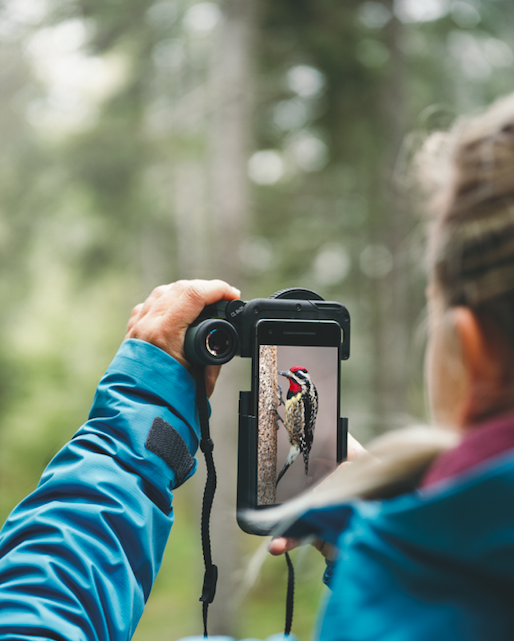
{"points": [[286, 374]]}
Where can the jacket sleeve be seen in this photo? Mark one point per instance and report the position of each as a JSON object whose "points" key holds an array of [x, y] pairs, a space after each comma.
{"points": [[78, 556]]}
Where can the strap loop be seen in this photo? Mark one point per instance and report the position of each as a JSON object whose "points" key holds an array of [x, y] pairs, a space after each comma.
{"points": [[209, 584], [207, 445]]}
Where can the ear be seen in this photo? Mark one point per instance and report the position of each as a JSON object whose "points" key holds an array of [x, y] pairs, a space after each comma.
{"points": [[469, 332], [483, 368]]}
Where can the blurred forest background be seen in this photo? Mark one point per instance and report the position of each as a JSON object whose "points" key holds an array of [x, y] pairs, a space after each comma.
{"points": [[266, 142]]}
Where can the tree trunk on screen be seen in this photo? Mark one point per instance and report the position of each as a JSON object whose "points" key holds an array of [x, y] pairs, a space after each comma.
{"points": [[267, 446]]}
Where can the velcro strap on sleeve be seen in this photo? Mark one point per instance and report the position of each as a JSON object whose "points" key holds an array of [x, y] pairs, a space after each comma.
{"points": [[166, 442]]}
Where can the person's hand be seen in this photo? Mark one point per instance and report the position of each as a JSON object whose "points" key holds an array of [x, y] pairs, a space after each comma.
{"points": [[281, 544], [354, 449], [166, 314]]}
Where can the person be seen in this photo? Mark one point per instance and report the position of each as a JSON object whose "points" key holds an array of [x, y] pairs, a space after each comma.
{"points": [[79, 555], [420, 528], [425, 548]]}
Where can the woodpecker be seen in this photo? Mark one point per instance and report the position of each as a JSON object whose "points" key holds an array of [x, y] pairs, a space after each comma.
{"points": [[301, 408]]}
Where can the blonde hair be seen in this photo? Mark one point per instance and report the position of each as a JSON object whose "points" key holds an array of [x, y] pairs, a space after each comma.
{"points": [[469, 172]]}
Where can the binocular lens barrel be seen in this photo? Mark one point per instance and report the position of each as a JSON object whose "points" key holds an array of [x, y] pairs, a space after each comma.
{"points": [[212, 342]]}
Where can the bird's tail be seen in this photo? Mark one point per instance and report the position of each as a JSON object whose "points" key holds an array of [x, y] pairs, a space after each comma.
{"points": [[291, 458], [282, 472]]}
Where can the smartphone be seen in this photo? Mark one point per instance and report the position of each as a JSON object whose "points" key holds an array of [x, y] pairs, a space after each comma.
{"points": [[284, 350]]}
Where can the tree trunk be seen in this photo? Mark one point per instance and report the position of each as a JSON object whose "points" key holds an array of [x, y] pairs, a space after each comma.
{"points": [[229, 132], [229, 206], [392, 322], [191, 220]]}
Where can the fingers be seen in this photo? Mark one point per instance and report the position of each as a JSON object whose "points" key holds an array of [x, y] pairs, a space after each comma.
{"points": [[134, 316], [194, 296], [183, 300], [152, 299], [142, 309], [327, 550], [179, 306], [281, 545], [355, 449], [169, 310]]}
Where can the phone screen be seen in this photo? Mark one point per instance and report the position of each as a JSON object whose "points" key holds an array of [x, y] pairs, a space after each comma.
{"points": [[298, 435]]}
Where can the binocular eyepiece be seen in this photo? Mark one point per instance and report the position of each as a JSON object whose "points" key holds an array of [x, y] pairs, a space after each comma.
{"points": [[212, 342]]}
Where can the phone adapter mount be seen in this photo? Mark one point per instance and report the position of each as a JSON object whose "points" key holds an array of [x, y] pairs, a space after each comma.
{"points": [[228, 327]]}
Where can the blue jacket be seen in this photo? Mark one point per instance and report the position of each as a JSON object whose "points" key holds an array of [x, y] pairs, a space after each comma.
{"points": [[436, 564], [78, 557]]}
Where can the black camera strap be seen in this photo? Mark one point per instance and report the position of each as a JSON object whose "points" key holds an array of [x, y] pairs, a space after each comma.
{"points": [[207, 446], [211, 570], [290, 596]]}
